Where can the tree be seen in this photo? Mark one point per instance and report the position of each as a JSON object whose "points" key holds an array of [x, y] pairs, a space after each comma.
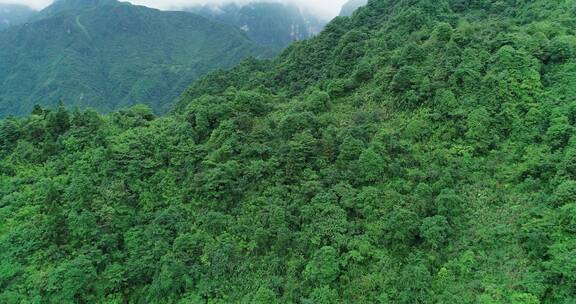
{"points": [[559, 132], [323, 295], [350, 149], [251, 102], [297, 123], [58, 121], [302, 151], [449, 204], [372, 166], [71, 281], [523, 298], [264, 296], [317, 101], [323, 268], [435, 231], [443, 32], [413, 283], [9, 134], [562, 48], [399, 228], [565, 193], [480, 129], [405, 79], [38, 110]]}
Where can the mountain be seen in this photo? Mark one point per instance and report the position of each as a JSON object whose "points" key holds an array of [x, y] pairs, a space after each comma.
{"points": [[351, 6], [106, 54], [12, 14], [421, 151], [268, 23], [60, 6]]}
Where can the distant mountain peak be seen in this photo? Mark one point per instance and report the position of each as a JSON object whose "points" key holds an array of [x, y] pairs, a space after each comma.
{"points": [[107, 54], [269, 23], [84, 2], [64, 5]]}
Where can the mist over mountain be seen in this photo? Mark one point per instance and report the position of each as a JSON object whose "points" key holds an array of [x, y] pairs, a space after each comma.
{"points": [[351, 6], [268, 23], [13, 14], [106, 54], [324, 9]]}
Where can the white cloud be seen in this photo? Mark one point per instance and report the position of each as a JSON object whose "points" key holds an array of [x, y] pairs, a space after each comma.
{"points": [[325, 8], [36, 4]]}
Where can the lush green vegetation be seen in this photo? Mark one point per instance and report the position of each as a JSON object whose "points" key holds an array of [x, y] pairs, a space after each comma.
{"points": [[420, 152], [268, 23], [106, 55]]}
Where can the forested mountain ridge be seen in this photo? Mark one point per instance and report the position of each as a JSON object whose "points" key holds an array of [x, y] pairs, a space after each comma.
{"points": [[105, 54], [419, 152], [268, 23], [62, 6], [351, 6]]}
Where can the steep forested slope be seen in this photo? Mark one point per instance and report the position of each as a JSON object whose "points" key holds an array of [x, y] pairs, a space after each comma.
{"points": [[421, 152], [268, 23], [105, 54], [11, 14]]}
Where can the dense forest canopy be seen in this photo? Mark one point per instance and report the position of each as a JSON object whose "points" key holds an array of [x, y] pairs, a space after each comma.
{"points": [[419, 152]]}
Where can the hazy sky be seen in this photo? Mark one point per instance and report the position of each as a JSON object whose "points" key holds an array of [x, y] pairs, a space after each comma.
{"points": [[327, 8]]}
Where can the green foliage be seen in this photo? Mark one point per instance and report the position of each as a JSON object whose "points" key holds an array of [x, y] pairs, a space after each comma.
{"points": [[417, 152], [435, 230], [371, 165], [323, 267]]}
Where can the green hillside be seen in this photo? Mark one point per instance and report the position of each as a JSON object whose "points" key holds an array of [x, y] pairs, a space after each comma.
{"points": [[419, 152], [107, 55], [268, 23]]}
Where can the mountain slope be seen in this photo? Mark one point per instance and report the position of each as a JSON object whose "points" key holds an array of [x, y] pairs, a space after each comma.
{"points": [[107, 54], [11, 14], [273, 24], [351, 6], [418, 152]]}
